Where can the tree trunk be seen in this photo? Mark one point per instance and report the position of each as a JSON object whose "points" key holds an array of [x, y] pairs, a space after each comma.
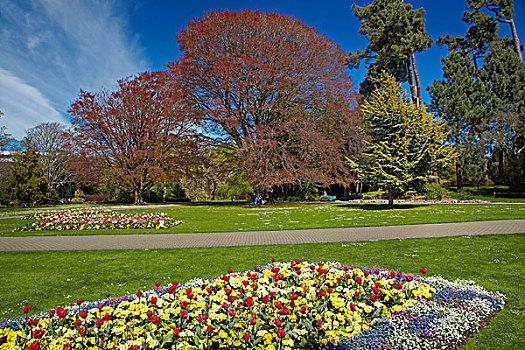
{"points": [[413, 90], [459, 175], [500, 166], [416, 76], [517, 45], [390, 200]]}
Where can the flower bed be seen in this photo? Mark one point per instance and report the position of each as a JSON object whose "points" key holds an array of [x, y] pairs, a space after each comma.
{"points": [[95, 219], [294, 305]]}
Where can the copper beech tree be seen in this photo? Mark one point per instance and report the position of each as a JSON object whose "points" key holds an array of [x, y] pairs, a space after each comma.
{"points": [[139, 134], [274, 88]]}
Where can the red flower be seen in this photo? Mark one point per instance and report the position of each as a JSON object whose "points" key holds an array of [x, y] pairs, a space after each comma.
{"points": [[297, 261], [257, 268], [294, 296], [149, 313], [246, 336], [26, 309], [83, 314], [35, 321], [284, 311], [171, 289], [38, 333], [231, 299], [34, 346], [184, 304], [175, 284], [209, 290], [248, 302], [278, 322], [107, 317], [81, 331], [139, 293], [176, 332], [190, 296], [228, 291], [303, 309], [153, 300], [320, 263], [77, 323], [254, 277], [265, 299], [133, 347], [359, 280], [366, 273], [51, 312], [99, 322], [209, 329], [155, 320], [278, 304], [352, 306], [67, 346], [225, 305], [79, 301], [245, 282], [281, 333], [409, 278], [399, 286], [274, 260], [423, 270], [376, 290], [255, 286], [377, 284], [157, 284], [183, 314], [322, 293], [329, 290], [272, 294], [232, 312], [99, 306], [230, 270], [61, 312]]}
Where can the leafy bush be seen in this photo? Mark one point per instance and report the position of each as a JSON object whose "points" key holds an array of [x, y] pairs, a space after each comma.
{"points": [[374, 195], [435, 191]]}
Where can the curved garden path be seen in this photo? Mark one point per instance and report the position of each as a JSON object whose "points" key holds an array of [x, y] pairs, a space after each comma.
{"points": [[154, 241]]}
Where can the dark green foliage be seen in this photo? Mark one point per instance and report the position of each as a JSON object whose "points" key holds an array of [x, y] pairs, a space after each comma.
{"points": [[395, 32], [27, 183]]}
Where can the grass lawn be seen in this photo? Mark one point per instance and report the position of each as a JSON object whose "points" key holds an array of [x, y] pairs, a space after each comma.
{"points": [[49, 279], [238, 217]]}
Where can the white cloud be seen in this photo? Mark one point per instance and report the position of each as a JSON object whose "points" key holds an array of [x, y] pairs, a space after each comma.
{"points": [[23, 106], [50, 49]]}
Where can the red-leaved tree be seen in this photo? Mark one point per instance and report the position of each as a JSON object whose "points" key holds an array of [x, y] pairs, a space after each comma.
{"points": [[138, 135], [276, 88]]}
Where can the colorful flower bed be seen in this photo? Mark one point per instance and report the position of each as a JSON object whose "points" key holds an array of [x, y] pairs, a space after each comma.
{"points": [[295, 305], [95, 219]]}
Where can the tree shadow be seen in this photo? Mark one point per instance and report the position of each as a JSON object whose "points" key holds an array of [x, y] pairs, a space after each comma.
{"points": [[382, 206]]}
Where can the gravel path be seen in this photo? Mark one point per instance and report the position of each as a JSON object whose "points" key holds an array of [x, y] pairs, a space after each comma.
{"points": [[154, 241]]}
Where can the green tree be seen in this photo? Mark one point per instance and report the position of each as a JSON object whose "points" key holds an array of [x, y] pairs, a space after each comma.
{"points": [[502, 11], [504, 74], [5, 138], [406, 144], [457, 100], [27, 182], [395, 32]]}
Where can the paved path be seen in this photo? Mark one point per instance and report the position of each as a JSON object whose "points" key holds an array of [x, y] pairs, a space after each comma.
{"points": [[259, 237]]}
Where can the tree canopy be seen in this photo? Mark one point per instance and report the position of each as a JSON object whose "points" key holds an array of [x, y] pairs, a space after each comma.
{"points": [[395, 32], [276, 88], [405, 146], [137, 135]]}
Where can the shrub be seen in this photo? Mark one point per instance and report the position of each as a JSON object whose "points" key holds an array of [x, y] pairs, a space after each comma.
{"points": [[435, 191]]}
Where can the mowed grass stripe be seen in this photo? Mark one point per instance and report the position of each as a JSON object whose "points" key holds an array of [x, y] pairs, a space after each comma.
{"points": [[239, 218]]}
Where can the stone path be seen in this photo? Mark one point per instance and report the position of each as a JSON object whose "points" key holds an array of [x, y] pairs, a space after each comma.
{"points": [[153, 241]]}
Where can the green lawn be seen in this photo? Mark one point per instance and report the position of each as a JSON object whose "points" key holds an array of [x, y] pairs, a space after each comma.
{"points": [[238, 218], [49, 279]]}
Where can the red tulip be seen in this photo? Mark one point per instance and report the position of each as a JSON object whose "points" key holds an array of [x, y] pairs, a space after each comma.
{"points": [[281, 333], [81, 331], [154, 300], [99, 322], [139, 293], [38, 333], [155, 320], [79, 301], [176, 332], [352, 306], [278, 322], [83, 314], [230, 270], [51, 312], [77, 323], [423, 270], [26, 309], [274, 260], [157, 284], [246, 336]]}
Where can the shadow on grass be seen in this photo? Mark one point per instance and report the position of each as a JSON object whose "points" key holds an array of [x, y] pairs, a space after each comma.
{"points": [[381, 206]]}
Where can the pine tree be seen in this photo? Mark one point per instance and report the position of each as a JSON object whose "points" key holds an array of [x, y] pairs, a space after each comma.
{"points": [[457, 100], [27, 182], [395, 32], [406, 144]]}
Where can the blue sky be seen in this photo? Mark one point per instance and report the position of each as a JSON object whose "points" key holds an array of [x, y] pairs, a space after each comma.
{"points": [[50, 49]]}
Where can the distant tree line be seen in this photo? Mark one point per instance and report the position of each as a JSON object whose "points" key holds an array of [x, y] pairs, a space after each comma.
{"points": [[259, 102]]}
